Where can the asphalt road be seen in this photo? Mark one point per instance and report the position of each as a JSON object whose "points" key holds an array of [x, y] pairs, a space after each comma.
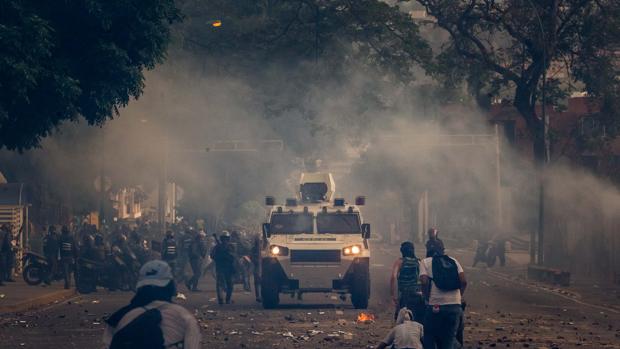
{"points": [[504, 312]]}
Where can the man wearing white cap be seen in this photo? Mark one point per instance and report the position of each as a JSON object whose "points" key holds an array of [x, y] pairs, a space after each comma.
{"points": [[151, 320]]}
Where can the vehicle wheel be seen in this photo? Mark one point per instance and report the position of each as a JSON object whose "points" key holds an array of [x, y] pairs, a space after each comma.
{"points": [[270, 292], [33, 275], [360, 292]]}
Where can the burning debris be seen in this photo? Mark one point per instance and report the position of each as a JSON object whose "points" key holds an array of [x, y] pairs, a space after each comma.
{"points": [[366, 318]]}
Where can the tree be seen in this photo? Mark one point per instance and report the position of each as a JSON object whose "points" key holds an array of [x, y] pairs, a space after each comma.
{"points": [[291, 52], [494, 44], [63, 60]]}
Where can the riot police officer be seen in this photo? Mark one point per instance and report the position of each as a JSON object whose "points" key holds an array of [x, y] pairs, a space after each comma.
{"points": [[255, 256], [243, 251], [5, 246], [68, 254], [169, 250], [197, 254], [10, 256], [185, 248], [51, 248], [224, 256], [99, 247]]}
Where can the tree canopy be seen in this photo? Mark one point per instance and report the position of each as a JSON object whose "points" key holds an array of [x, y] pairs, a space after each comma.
{"points": [[511, 44], [62, 60]]}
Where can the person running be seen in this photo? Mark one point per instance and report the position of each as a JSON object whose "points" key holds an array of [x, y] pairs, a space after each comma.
{"points": [[151, 320], [443, 284], [407, 334], [405, 275]]}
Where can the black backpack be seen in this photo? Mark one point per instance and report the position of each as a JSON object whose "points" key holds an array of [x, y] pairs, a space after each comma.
{"points": [[446, 273], [144, 332]]}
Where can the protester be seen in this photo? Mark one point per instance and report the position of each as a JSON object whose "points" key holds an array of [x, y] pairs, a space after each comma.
{"points": [[407, 334], [443, 283], [224, 256], [151, 320], [500, 250], [405, 275], [481, 252], [434, 242]]}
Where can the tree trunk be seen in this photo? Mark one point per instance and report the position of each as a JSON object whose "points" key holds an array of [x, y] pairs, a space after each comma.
{"points": [[525, 104]]}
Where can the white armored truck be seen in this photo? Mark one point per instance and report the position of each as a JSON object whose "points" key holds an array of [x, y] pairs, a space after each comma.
{"points": [[315, 243]]}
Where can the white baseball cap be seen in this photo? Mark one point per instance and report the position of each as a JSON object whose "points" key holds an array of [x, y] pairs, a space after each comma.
{"points": [[155, 273]]}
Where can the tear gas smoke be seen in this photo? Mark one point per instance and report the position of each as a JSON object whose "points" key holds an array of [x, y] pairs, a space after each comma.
{"points": [[380, 139]]}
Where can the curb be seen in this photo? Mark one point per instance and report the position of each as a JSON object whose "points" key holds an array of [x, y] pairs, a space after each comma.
{"points": [[36, 302]]}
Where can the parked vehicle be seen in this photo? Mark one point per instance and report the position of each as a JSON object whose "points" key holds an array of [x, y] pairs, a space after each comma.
{"points": [[37, 269]]}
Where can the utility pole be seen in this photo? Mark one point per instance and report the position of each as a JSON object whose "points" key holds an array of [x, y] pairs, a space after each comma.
{"points": [[102, 190], [498, 181], [162, 198]]}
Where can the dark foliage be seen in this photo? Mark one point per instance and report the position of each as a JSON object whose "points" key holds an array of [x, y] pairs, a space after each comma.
{"points": [[60, 60]]}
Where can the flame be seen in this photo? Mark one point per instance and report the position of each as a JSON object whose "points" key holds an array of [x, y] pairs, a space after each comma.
{"points": [[217, 23], [365, 317]]}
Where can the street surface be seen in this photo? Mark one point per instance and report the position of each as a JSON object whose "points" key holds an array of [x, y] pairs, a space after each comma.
{"points": [[504, 311]]}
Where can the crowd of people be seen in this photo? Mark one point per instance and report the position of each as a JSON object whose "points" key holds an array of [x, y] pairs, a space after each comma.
{"points": [[118, 255], [428, 297], [427, 294]]}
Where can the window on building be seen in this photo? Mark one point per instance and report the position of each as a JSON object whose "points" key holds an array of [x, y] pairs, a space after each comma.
{"points": [[591, 126]]}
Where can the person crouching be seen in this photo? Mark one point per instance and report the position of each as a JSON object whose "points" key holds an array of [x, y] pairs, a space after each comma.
{"points": [[151, 320], [407, 334]]}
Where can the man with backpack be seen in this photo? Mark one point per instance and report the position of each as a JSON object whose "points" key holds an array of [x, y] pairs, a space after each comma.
{"points": [[443, 283], [151, 320], [406, 272]]}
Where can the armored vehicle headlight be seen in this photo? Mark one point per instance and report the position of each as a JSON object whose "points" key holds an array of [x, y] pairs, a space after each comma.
{"points": [[351, 250], [278, 250]]}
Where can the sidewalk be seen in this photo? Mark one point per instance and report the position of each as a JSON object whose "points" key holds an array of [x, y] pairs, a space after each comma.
{"points": [[603, 296], [19, 296]]}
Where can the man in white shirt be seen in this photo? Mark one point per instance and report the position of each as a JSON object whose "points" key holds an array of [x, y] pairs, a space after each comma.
{"points": [[155, 290], [406, 334], [444, 310]]}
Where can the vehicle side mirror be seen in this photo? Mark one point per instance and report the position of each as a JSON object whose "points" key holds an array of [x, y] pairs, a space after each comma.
{"points": [[360, 201], [366, 231], [266, 230]]}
